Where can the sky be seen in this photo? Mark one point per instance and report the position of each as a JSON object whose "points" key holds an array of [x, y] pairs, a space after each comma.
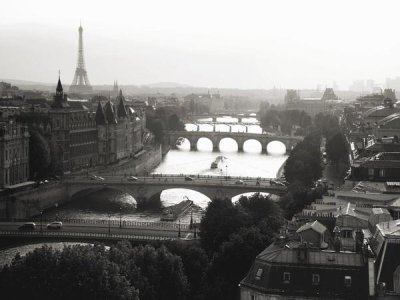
{"points": [[210, 43]]}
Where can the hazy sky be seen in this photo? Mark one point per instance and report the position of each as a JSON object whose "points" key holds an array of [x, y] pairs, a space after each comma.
{"points": [[212, 43]]}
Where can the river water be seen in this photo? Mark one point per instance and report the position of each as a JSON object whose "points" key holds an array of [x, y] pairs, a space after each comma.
{"points": [[252, 162]]}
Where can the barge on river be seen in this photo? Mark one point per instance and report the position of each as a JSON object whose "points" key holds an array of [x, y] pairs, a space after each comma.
{"points": [[171, 213]]}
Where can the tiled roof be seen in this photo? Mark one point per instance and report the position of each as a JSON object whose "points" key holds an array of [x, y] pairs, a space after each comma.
{"points": [[281, 253]]}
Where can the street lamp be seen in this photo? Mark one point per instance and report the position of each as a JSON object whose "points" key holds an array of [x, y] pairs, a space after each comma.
{"points": [[226, 168], [109, 223], [41, 221], [179, 229], [120, 217], [191, 217]]}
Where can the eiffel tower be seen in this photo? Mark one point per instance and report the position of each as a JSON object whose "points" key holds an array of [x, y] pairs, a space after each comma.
{"points": [[80, 84]]}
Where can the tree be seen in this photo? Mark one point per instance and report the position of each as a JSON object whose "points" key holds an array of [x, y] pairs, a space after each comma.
{"points": [[39, 154], [77, 272], [219, 221], [175, 124], [336, 149]]}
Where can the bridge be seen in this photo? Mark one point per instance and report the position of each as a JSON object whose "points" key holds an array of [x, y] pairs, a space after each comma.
{"points": [[215, 116], [240, 138], [145, 190], [101, 230], [148, 189]]}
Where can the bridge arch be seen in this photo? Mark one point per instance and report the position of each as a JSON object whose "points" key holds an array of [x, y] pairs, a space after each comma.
{"points": [[172, 196], [108, 201], [228, 144], [205, 144], [183, 143], [252, 146], [247, 194], [277, 147], [191, 127]]}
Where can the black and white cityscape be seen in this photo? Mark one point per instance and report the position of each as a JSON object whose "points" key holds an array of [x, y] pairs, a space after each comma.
{"points": [[185, 150]]}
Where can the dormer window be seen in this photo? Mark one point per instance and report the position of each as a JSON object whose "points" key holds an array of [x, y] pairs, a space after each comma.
{"points": [[315, 279], [259, 273], [286, 277], [347, 281]]}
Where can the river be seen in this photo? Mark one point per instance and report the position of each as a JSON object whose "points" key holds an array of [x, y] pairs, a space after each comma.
{"points": [[252, 162]]}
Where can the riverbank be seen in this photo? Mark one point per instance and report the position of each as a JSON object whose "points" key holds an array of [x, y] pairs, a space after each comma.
{"points": [[149, 159]]}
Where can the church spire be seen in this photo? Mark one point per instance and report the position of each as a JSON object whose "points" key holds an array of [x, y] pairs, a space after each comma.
{"points": [[121, 110], [100, 116]]}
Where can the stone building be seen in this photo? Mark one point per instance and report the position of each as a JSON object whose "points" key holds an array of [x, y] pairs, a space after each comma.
{"points": [[119, 131], [73, 129], [14, 153]]}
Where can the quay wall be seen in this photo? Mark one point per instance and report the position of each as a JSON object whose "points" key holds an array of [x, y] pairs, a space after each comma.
{"points": [[31, 202]]}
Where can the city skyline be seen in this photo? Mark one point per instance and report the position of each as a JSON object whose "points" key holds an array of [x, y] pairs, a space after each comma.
{"points": [[221, 45]]}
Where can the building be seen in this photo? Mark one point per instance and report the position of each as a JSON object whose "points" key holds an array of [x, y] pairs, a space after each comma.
{"points": [[302, 269], [384, 166], [69, 128], [73, 129], [120, 131], [328, 103], [14, 153], [205, 103], [388, 126], [386, 247], [373, 100]]}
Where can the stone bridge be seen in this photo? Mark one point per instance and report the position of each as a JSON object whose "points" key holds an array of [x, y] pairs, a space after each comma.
{"points": [[215, 116], [149, 189], [240, 138]]}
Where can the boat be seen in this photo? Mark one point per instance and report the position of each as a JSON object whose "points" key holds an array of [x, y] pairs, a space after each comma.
{"points": [[217, 161], [171, 213]]}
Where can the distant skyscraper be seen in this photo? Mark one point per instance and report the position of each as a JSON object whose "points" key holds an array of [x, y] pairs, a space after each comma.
{"points": [[80, 84]]}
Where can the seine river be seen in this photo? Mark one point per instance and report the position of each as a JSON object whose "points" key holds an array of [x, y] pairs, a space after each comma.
{"points": [[252, 162]]}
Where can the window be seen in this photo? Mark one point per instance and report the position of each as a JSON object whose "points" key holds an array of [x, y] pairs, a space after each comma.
{"points": [[371, 172], [315, 279], [347, 234], [382, 172], [286, 277], [347, 281], [259, 273]]}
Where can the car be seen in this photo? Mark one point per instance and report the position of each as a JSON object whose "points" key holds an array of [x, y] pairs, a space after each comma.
{"points": [[100, 178], [27, 226], [132, 178], [92, 177], [239, 182], [54, 225], [188, 178]]}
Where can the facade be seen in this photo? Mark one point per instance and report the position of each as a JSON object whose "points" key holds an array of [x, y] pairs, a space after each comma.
{"points": [[14, 154], [386, 246], [289, 269], [313, 106], [73, 129], [119, 131], [384, 166]]}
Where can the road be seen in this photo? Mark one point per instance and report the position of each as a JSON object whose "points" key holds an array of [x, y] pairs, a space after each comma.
{"points": [[103, 229], [188, 180]]}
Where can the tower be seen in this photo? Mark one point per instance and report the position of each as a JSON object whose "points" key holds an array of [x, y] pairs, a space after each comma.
{"points": [[80, 83]]}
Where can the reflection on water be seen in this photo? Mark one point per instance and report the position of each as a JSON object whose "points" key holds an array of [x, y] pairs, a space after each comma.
{"points": [[250, 163], [113, 204]]}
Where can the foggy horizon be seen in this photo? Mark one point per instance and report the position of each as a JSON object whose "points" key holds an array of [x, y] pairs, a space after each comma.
{"points": [[224, 44]]}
